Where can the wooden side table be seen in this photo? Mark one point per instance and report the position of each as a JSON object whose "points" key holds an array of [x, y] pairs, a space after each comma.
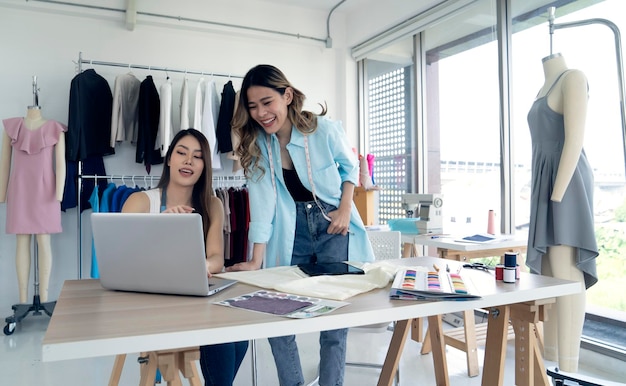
{"points": [[171, 363], [466, 338]]}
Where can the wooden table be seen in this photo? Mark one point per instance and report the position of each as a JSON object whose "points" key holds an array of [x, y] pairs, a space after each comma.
{"points": [[90, 321], [451, 248]]}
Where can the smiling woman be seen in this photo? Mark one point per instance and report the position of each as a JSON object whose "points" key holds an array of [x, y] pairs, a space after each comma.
{"points": [[304, 164], [185, 187]]}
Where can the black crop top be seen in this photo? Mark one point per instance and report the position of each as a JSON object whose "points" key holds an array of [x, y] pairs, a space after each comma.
{"points": [[298, 192]]}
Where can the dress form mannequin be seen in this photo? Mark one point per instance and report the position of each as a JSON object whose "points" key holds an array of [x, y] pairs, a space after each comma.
{"points": [[565, 95], [32, 121]]}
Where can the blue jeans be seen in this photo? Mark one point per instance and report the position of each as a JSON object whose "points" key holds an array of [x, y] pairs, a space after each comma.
{"points": [[219, 362], [314, 244]]}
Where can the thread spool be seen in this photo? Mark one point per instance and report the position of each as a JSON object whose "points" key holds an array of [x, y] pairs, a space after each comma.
{"points": [[509, 275], [491, 222], [510, 259], [499, 271]]}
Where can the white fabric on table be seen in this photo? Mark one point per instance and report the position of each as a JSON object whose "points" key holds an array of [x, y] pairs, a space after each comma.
{"points": [[292, 280]]}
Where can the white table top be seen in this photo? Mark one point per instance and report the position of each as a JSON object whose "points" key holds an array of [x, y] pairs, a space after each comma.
{"points": [[455, 243], [89, 321]]}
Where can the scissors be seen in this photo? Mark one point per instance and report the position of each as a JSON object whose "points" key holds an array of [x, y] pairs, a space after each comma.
{"points": [[479, 266]]}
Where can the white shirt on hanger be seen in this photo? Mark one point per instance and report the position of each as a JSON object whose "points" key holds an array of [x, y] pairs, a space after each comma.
{"points": [[197, 116], [209, 120], [184, 106], [165, 117]]}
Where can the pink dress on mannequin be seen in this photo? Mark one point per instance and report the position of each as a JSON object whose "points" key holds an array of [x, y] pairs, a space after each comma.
{"points": [[32, 205]]}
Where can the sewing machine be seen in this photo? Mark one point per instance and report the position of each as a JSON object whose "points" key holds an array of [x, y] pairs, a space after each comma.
{"points": [[426, 207]]}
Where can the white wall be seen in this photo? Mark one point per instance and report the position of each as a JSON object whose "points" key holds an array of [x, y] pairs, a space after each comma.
{"points": [[45, 40]]}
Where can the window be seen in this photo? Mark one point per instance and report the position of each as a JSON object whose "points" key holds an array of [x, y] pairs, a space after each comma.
{"points": [[590, 48], [463, 120], [388, 139], [462, 136], [389, 101]]}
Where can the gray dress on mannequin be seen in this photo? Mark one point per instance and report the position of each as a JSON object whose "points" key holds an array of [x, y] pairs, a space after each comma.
{"points": [[571, 221]]}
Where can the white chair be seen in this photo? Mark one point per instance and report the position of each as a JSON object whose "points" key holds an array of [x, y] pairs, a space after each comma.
{"points": [[386, 246]]}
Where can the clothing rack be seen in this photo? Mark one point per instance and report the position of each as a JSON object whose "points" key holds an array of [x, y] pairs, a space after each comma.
{"points": [[222, 181], [79, 69], [167, 70], [229, 181]]}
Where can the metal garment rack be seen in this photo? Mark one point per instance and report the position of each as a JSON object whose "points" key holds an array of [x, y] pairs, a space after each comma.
{"points": [[222, 181], [79, 67], [167, 70], [618, 55]]}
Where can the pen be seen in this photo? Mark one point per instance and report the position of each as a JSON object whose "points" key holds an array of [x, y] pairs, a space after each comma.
{"points": [[434, 237]]}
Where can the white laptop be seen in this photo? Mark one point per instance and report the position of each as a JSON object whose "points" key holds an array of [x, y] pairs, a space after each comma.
{"points": [[155, 253]]}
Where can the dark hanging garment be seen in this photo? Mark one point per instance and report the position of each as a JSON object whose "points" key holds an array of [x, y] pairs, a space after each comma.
{"points": [[227, 109], [149, 110], [89, 119], [240, 220], [91, 166]]}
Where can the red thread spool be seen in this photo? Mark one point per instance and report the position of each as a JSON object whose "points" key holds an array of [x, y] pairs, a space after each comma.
{"points": [[500, 272]]}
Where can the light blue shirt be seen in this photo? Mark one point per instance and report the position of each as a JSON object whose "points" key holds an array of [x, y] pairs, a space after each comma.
{"points": [[273, 216]]}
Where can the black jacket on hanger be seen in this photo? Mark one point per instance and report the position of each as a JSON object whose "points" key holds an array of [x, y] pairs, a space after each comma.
{"points": [[149, 109], [227, 109], [89, 121]]}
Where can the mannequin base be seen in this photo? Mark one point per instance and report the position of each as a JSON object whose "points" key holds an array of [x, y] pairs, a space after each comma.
{"points": [[559, 377], [20, 311]]}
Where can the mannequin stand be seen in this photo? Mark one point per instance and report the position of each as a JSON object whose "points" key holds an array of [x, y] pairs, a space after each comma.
{"points": [[562, 378], [20, 311]]}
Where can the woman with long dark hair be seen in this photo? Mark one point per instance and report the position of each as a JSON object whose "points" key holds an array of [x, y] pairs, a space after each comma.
{"points": [[186, 187], [301, 174]]}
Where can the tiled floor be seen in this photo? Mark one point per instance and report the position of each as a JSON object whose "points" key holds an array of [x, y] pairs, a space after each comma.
{"points": [[20, 362]]}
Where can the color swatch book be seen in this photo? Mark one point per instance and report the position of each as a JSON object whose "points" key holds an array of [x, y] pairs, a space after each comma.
{"points": [[283, 304], [423, 284]]}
